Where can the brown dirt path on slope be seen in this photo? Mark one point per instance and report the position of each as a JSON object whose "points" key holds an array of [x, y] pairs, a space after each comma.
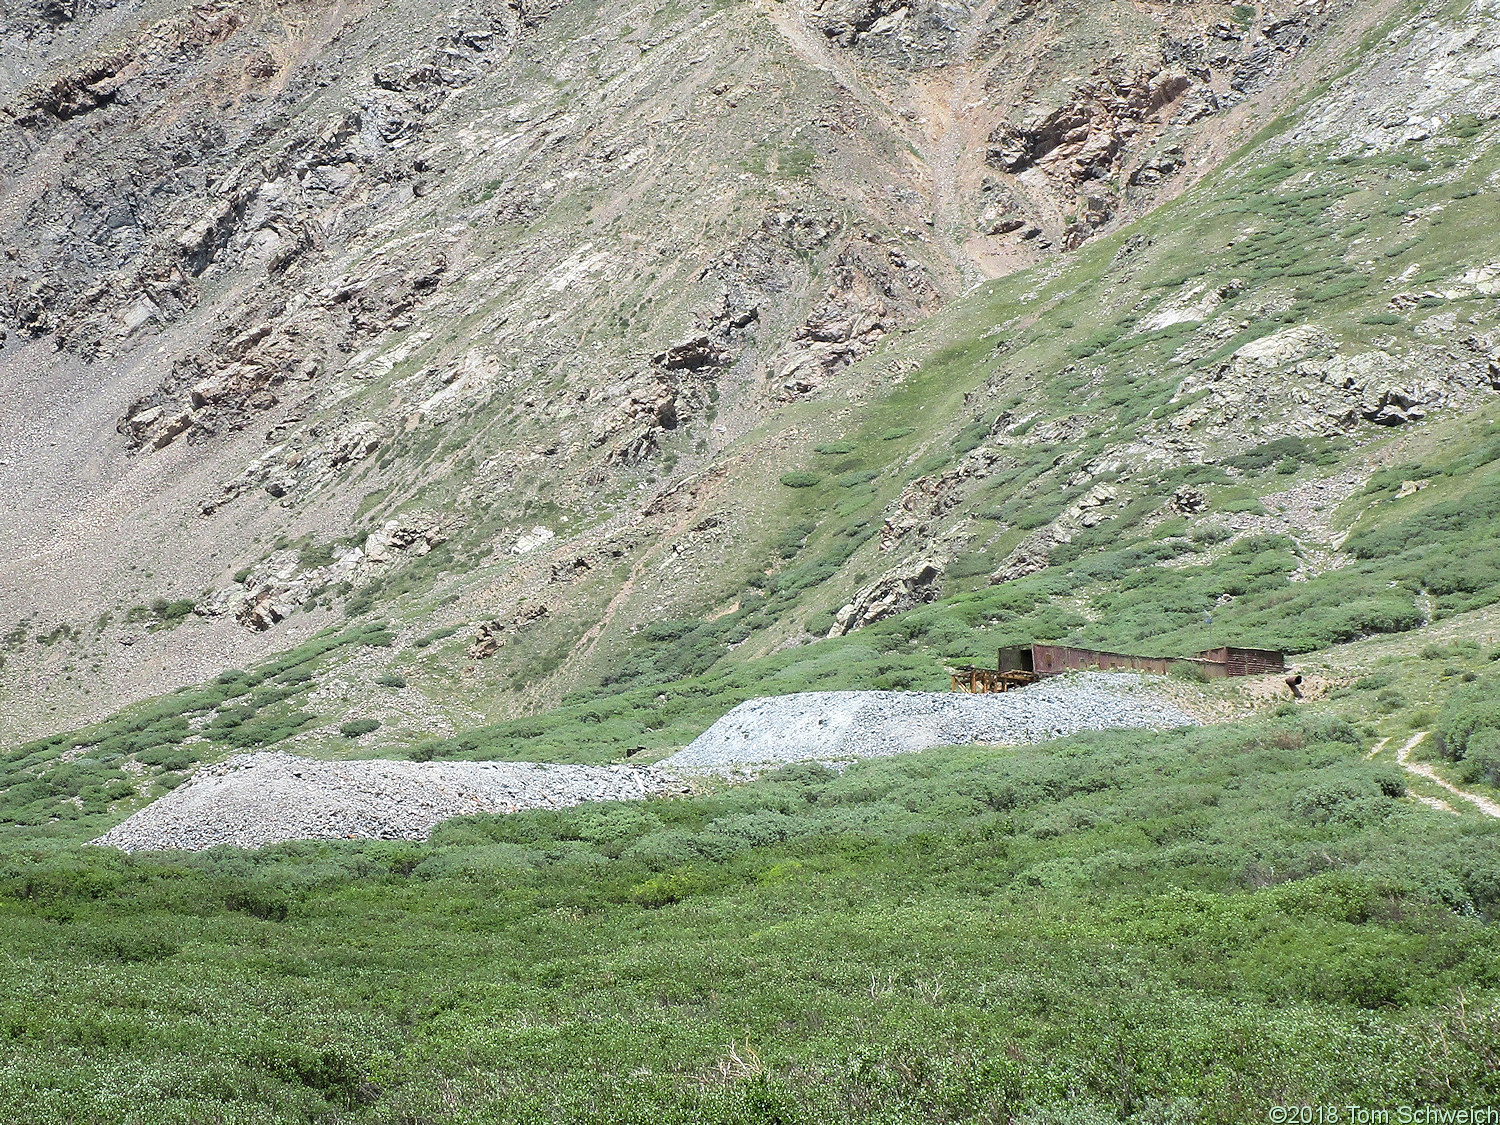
{"points": [[1421, 769]]}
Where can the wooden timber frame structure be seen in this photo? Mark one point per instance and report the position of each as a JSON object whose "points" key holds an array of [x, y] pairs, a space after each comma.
{"points": [[984, 681], [1019, 665]]}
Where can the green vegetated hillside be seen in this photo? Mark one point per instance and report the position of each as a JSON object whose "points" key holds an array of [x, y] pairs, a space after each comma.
{"points": [[1192, 926], [1050, 378], [1183, 927], [1315, 309], [1071, 352], [1012, 412], [1062, 357]]}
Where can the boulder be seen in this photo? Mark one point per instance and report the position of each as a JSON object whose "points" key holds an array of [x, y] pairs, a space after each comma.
{"points": [[689, 355], [1188, 501], [492, 636], [415, 533], [261, 609], [1411, 488], [489, 640], [531, 540], [1393, 407], [171, 429]]}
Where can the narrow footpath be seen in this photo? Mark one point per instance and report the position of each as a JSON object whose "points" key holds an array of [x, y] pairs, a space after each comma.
{"points": [[1422, 769]]}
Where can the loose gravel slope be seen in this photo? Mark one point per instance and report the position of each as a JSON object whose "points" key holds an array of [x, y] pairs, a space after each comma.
{"points": [[255, 799], [833, 726]]}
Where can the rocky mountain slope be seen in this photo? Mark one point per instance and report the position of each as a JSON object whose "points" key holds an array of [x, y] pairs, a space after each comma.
{"points": [[616, 350]]}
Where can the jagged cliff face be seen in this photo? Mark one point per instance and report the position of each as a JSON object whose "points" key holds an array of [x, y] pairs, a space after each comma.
{"points": [[506, 318]]}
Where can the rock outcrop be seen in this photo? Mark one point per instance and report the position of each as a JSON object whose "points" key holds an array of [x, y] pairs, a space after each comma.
{"points": [[899, 590], [493, 635], [1297, 381], [355, 276]]}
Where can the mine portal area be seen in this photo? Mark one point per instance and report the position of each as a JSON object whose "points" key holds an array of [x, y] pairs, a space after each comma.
{"points": [[1019, 665]]}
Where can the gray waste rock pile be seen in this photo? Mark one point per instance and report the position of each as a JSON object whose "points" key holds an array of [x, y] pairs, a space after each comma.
{"points": [[834, 726], [255, 799]]}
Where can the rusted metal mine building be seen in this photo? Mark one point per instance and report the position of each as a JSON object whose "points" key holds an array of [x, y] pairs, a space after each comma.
{"points": [[1019, 665]]}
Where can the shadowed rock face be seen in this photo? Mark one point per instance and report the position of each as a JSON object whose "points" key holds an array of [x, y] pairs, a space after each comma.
{"points": [[276, 278]]}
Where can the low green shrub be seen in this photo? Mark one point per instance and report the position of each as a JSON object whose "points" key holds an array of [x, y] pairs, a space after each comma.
{"points": [[667, 888], [169, 613], [167, 757], [1264, 877], [800, 478], [1481, 757], [1471, 714]]}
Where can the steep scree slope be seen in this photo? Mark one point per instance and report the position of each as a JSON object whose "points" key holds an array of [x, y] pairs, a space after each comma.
{"points": [[596, 348]]}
